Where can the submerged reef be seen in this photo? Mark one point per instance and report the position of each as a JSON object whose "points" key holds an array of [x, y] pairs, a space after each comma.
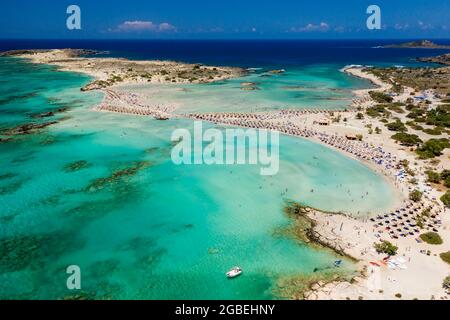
{"points": [[13, 187], [301, 225], [27, 128], [77, 166], [302, 228], [118, 175], [9, 175], [32, 251], [297, 287]]}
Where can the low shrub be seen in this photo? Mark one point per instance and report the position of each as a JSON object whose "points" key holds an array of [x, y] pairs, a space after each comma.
{"points": [[431, 238]]}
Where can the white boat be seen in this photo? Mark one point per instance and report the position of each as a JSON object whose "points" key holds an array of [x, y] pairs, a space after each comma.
{"points": [[235, 272]]}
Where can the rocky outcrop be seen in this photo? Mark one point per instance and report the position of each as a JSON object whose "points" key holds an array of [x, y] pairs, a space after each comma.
{"points": [[442, 59], [13, 53], [307, 229], [96, 85], [72, 53], [27, 128], [421, 44], [277, 71]]}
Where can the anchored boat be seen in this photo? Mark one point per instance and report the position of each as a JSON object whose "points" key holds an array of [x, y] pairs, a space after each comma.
{"points": [[235, 272]]}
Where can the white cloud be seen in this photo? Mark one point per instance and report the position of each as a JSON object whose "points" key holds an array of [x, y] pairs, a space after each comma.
{"points": [[399, 26], [216, 29], [143, 26], [424, 26], [166, 27], [310, 27]]}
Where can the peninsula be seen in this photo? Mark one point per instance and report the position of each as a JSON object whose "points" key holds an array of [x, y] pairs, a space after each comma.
{"points": [[112, 71]]}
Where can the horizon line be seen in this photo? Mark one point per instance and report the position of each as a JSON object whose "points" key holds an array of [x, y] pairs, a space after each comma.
{"points": [[222, 39]]}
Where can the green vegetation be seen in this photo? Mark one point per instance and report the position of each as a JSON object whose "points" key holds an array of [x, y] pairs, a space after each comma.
{"points": [[445, 256], [415, 195], [417, 78], [433, 132], [446, 283], [420, 219], [439, 117], [396, 107], [397, 126], [359, 116], [377, 111], [431, 238], [446, 199], [419, 222], [405, 165], [415, 113], [433, 148], [406, 139], [433, 176], [436, 177], [386, 247], [380, 97], [445, 176]]}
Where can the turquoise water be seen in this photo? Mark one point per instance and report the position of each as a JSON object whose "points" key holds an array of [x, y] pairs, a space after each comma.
{"points": [[310, 86], [139, 226]]}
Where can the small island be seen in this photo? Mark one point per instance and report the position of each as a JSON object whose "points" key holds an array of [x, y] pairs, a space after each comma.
{"points": [[421, 44], [442, 59]]}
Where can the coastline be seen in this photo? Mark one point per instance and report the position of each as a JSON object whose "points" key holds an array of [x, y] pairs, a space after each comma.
{"points": [[357, 245], [374, 282]]}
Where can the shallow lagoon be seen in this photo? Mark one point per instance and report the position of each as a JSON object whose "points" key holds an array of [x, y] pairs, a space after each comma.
{"points": [[299, 87]]}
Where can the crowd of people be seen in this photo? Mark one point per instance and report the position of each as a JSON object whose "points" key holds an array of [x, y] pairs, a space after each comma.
{"points": [[131, 103]]}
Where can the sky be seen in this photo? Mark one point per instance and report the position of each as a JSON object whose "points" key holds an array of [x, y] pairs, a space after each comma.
{"points": [[224, 19]]}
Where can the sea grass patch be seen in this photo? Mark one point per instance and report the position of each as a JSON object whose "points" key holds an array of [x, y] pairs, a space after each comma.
{"points": [[117, 176], [9, 175], [33, 251], [12, 187], [27, 128], [77, 166], [119, 195]]}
